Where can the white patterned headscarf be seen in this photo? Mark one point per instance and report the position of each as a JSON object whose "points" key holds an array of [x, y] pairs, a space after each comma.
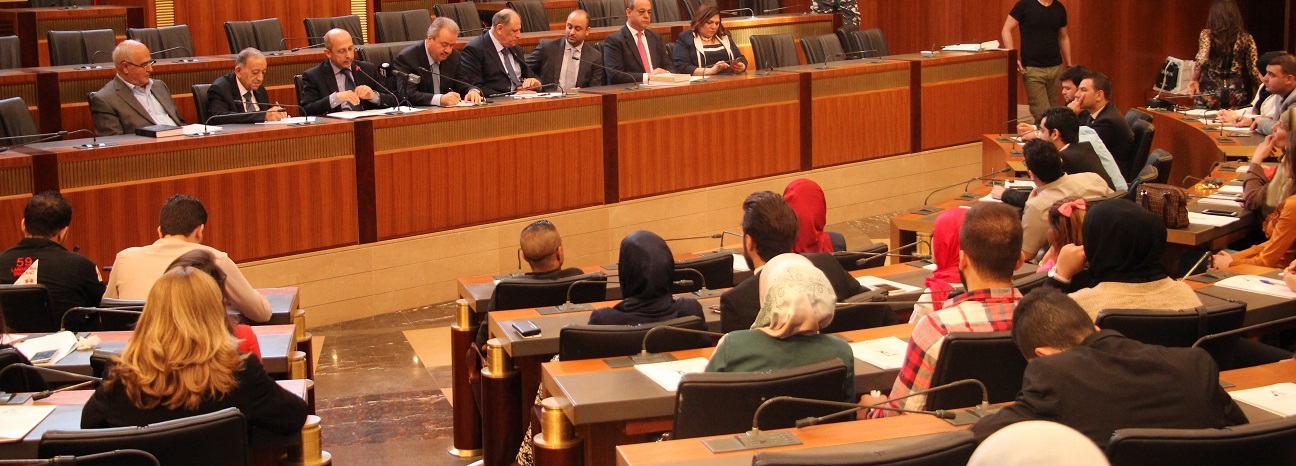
{"points": [[796, 298], [1031, 443]]}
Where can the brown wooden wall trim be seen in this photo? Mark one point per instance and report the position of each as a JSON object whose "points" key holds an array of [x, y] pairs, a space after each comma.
{"points": [[915, 106], [366, 190], [611, 150], [807, 122]]}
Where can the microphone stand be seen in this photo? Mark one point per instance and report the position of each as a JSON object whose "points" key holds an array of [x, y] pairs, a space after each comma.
{"points": [[95, 66], [644, 357], [188, 59], [637, 84], [94, 140], [44, 137], [571, 307], [206, 132], [965, 184], [1004, 137], [889, 253], [398, 111], [704, 292]]}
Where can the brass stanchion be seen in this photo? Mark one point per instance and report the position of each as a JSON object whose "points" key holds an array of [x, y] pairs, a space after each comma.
{"points": [[297, 365], [310, 452], [466, 417], [501, 431], [556, 444]]}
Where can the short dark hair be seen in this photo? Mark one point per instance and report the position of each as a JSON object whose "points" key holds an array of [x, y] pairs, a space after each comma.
{"points": [[1043, 159], [182, 214], [1265, 58], [1285, 61], [1048, 317], [1101, 83], [47, 213], [1075, 74], [771, 223], [991, 237], [1064, 121], [539, 241]]}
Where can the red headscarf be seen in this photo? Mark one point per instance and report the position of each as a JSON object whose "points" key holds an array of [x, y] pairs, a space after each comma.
{"points": [[945, 249], [807, 200]]}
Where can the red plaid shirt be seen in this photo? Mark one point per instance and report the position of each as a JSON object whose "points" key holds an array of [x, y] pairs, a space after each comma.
{"points": [[987, 310]]}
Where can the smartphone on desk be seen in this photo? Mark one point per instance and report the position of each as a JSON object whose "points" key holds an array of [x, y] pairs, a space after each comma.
{"points": [[1222, 213], [527, 329], [43, 356]]}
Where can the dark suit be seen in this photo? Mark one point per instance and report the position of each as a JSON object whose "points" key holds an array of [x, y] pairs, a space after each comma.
{"points": [[223, 97], [1076, 158], [481, 65], [1111, 382], [115, 109], [739, 305], [621, 53], [319, 83], [413, 60], [547, 61], [685, 56], [1116, 135]]}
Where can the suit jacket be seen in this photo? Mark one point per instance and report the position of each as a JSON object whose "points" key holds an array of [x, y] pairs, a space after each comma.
{"points": [[318, 84], [115, 109], [621, 53], [739, 305], [482, 67], [1111, 382], [413, 60], [1116, 134], [1265, 125], [223, 98], [547, 61], [685, 54]]}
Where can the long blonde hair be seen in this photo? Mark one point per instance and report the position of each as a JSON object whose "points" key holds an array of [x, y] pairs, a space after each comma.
{"points": [[181, 352]]}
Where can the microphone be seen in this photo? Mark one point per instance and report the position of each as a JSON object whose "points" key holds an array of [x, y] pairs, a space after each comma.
{"points": [[316, 46], [1236, 331], [1198, 264], [637, 85], [205, 132], [94, 140], [850, 408], [772, 10], [48, 393], [93, 311], [412, 78], [283, 43], [43, 137], [88, 380], [644, 357], [1003, 125], [683, 238], [93, 56], [965, 184], [980, 410], [180, 59], [704, 292], [462, 31], [722, 233], [736, 10], [398, 111], [569, 306], [889, 253]]}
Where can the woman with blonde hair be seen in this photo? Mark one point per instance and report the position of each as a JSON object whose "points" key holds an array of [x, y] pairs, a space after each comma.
{"points": [[181, 361]]}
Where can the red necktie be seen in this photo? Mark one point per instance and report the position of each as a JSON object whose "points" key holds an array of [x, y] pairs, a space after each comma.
{"points": [[643, 54]]}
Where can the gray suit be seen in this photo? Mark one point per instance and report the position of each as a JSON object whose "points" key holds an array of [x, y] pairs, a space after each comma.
{"points": [[116, 111], [1265, 125], [546, 61]]}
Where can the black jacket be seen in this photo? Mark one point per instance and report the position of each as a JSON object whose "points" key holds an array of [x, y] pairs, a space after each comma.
{"points": [[739, 305], [223, 97], [482, 67], [413, 60], [621, 53], [71, 278], [546, 62], [1116, 135], [318, 84]]}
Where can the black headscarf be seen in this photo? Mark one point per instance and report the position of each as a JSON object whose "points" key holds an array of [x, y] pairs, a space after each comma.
{"points": [[1124, 242], [646, 267]]}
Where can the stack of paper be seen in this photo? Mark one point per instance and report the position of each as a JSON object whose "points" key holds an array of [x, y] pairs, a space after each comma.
{"points": [[291, 121], [1257, 284], [538, 95], [1210, 220], [884, 353], [668, 374], [1202, 113], [20, 420], [62, 343], [881, 283], [994, 44], [200, 129], [1230, 189], [1278, 398]]}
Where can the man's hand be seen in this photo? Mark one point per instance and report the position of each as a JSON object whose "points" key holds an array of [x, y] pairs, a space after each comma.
{"points": [[1025, 128], [530, 84], [1194, 88], [1020, 69], [1228, 116], [997, 192], [349, 97], [365, 93], [450, 99], [1074, 105], [275, 114], [474, 96], [660, 71]]}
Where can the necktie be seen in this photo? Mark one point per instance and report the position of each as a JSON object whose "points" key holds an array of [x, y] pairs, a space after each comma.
{"points": [[508, 68], [249, 104], [436, 79], [349, 83], [569, 69], [643, 54]]}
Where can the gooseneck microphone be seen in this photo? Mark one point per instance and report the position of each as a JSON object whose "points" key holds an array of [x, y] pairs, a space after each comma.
{"points": [[637, 80], [644, 357], [965, 183], [188, 59], [43, 137], [94, 140], [378, 83]]}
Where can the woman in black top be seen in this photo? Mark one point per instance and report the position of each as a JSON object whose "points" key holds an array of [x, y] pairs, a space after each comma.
{"points": [[707, 48], [645, 266]]}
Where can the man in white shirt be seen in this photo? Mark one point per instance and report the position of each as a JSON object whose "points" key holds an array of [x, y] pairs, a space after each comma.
{"points": [[634, 52], [493, 61], [566, 60], [132, 99]]}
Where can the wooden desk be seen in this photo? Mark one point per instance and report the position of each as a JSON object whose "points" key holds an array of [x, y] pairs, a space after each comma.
{"points": [[1260, 308], [962, 96], [859, 110], [276, 342], [1195, 150], [32, 24]]}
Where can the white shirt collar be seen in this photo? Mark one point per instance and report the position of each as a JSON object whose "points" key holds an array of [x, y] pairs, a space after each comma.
{"points": [[499, 48], [145, 88], [242, 90], [633, 30]]}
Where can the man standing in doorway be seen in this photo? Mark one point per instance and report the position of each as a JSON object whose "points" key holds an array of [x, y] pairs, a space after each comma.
{"points": [[1045, 49]]}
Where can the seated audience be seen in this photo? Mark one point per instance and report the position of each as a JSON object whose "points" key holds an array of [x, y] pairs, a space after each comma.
{"points": [[1279, 226], [1066, 226], [990, 240], [1060, 126], [1051, 183], [1037, 443], [341, 82], [542, 247], [132, 99], [1099, 113], [1260, 190], [72, 279], [1098, 381], [796, 301], [707, 48], [807, 201], [1123, 243], [945, 254], [199, 259], [181, 227], [646, 267], [1264, 103], [1279, 79], [182, 361]]}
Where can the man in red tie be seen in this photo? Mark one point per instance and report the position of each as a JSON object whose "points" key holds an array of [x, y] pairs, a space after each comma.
{"points": [[634, 52]]}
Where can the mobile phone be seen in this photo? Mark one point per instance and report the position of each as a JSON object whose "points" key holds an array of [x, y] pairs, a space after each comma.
{"points": [[43, 356], [526, 328], [1222, 213]]}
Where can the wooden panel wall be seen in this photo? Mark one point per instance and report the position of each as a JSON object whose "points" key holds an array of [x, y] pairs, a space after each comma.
{"points": [[206, 18], [860, 113]]}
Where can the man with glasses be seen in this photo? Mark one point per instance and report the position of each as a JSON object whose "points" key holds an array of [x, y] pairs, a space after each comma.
{"points": [[635, 52], [232, 97], [341, 82], [132, 99]]}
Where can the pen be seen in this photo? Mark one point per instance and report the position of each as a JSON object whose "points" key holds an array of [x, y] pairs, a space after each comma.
{"points": [[1267, 282]]}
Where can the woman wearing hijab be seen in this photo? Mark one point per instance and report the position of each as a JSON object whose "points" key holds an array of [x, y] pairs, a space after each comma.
{"points": [[1123, 243], [645, 265], [1031, 443], [796, 301], [945, 254], [807, 200]]}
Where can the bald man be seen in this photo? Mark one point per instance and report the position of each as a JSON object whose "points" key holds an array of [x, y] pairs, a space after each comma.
{"points": [[493, 61], [635, 51], [133, 99], [341, 82], [565, 60]]}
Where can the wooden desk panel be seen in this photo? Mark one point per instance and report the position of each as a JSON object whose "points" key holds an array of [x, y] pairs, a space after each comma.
{"points": [[447, 168], [15, 191], [860, 110], [1194, 149], [32, 24], [962, 96]]}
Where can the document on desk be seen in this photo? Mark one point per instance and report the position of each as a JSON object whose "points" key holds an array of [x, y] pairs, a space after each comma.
{"points": [[881, 283], [1230, 189], [668, 374], [1278, 398], [1209, 220], [1229, 201], [740, 264], [885, 353], [538, 95], [62, 343], [1010, 184], [18, 420], [1257, 284], [291, 121]]}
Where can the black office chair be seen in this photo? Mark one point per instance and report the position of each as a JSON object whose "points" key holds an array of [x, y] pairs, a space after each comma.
{"points": [[532, 12], [265, 35], [856, 316], [201, 101], [877, 41], [1149, 174], [604, 13], [464, 14], [990, 357], [1180, 328], [109, 458], [164, 38], [774, 51], [605, 341], [27, 309], [1030, 282], [850, 259], [1267, 442], [951, 448], [382, 53], [522, 292], [822, 48], [401, 26], [18, 379], [298, 86], [1143, 134], [81, 47], [849, 41], [715, 403], [16, 120], [691, 7], [666, 10], [317, 27], [10, 53], [716, 270], [1132, 115], [1162, 161], [98, 319], [213, 439], [838, 241]]}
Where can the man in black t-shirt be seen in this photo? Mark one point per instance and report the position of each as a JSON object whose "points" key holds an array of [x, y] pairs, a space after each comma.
{"points": [[1045, 49], [72, 279]]}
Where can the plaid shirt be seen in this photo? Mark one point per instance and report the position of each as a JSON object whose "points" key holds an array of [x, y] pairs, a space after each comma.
{"points": [[987, 310]]}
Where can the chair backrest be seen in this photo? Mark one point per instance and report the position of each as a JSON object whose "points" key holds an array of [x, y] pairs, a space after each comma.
{"points": [[1135, 114], [604, 341], [16, 120], [1267, 442], [825, 48], [774, 50], [522, 293], [715, 403], [850, 260], [401, 26], [877, 41], [691, 7], [215, 439], [464, 14], [382, 53], [265, 35], [1180, 328], [1030, 282], [951, 448], [612, 12], [298, 85], [848, 40], [317, 27], [10, 52], [666, 10], [27, 309], [19, 380], [532, 12], [716, 270], [990, 357], [1162, 161], [200, 101], [240, 35], [1143, 133], [164, 38], [856, 316], [96, 319], [1148, 174], [81, 47]]}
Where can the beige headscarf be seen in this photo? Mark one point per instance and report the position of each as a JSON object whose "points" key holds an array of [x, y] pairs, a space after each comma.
{"points": [[796, 298], [1031, 443]]}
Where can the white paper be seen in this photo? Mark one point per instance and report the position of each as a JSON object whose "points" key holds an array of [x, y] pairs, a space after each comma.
{"points": [[1255, 284], [668, 374], [63, 342], [538, 95], [1279, 398], [19, 420], [290, 121], [875, 282], [1199, 113], [1220, 201], [740, 264], [465, 103], [1210, 220], [1230, 189], [353, 114], [885, 353], [1243, 130], [200, 129]]}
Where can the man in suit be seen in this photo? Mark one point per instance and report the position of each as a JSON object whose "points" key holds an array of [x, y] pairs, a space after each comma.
{"points": [[1061, 127], [634, 50], [568, 62], [1099, 113], [341, 82], [132, 99], [241, 92], [493, 61], [436, 62], [1098, 381], [769, 228]]}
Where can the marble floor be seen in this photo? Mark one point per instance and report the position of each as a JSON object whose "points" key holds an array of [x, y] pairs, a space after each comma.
{"points": [[381, 383]]}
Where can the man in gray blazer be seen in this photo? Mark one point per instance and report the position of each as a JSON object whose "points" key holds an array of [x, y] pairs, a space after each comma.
{"points": [[569, 62], [132, 99], [1279, 79]]}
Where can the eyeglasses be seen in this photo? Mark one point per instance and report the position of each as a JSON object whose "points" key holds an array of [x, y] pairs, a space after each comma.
{"points": [[142, 65]]}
